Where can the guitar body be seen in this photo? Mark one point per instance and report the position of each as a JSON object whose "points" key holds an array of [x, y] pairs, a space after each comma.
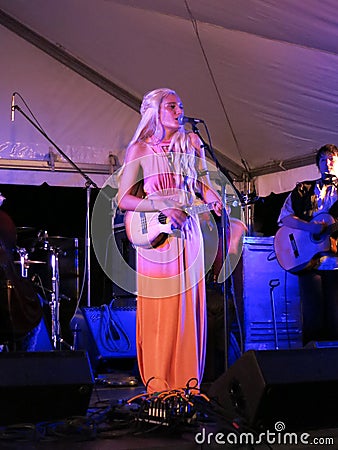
{"points": [[296, 250], [147, 229], [151, 229]]}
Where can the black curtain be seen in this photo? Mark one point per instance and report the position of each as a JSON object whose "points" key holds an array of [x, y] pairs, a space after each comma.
{"points": [[61, 213]]}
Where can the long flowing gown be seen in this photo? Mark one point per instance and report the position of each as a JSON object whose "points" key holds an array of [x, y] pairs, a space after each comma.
{"points": [[171, 304]]}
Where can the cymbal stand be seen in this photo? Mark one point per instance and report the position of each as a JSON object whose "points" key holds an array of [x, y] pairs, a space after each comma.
{"points": [[55, 300], [23, 261]]}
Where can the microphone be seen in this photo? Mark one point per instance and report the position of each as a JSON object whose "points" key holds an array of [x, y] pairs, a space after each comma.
{"points": [[329, 178], [184, 119], [13, 106]]}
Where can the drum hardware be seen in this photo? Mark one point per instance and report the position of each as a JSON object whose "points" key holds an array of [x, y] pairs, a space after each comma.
{"points": [[23, 258], [44, 242], [30, 261], [25, 262], [43, 239], [24, 229], [37, 282], [55, 300]]}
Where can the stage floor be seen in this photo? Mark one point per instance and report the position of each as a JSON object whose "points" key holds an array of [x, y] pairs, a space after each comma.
{"points": [[110, 424]]}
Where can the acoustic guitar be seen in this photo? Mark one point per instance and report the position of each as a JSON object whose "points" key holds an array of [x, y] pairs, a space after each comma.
{"points": [[297, 250]]}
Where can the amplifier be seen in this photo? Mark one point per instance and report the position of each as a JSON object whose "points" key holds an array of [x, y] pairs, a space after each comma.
{"points": [[107, 331], [271, 300]]}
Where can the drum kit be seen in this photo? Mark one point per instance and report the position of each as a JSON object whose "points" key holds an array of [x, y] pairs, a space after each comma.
{"points": [[49, 250]]}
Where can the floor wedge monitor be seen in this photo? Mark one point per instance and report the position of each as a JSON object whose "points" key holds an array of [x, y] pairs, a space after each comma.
{"points": [[44, 386], [298, 387]]}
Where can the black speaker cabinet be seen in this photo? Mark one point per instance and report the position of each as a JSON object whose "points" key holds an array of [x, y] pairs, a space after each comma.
{"points": [[40, 386], [298, 387], [107, 332], [121, 277]]}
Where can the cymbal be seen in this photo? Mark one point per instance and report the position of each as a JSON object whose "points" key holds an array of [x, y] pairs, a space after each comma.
{"points": [[61, 238], [27, 262], [24, 229], [59, 241]]}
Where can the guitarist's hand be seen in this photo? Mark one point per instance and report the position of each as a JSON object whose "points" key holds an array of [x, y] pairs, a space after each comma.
{"points": [[314, 227], [218, 207], [173, 210], [317, 227]]}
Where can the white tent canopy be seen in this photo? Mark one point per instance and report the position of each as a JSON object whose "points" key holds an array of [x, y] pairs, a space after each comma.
{"points": [[260, 73]]}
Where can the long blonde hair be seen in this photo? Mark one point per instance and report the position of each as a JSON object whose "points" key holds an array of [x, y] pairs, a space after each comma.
{"points": [[181, 148]]}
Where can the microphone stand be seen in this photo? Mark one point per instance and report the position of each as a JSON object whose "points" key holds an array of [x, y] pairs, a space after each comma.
{"points": [[88, 184], [227, 283]]}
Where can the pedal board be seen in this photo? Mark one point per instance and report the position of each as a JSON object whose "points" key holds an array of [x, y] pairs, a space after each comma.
{"points": [[171, 411]]}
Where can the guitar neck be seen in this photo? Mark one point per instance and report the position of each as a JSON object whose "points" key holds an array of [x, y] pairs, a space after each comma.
{"points": [[332, 228], [199, 209]]}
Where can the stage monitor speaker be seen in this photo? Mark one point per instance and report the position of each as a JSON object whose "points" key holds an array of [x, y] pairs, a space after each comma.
{"points": [[107, 331], [298, 387], [44, 386]]}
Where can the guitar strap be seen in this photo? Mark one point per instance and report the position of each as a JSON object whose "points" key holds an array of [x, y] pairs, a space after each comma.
{"points": [[138, 190], [303, 199], [334, 210]]}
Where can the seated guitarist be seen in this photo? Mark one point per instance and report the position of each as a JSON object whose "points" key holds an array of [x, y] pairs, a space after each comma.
{"points": [[318, 285]]}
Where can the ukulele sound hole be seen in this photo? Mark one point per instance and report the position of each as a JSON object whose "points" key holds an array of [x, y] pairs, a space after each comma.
{"points": [[162, 218]]}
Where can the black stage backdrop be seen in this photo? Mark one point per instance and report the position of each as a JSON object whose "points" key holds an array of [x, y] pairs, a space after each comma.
{"points": [[266, 212], [61, 212]]}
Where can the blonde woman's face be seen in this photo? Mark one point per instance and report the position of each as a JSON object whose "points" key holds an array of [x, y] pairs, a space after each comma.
{"points": [[170, 110]]}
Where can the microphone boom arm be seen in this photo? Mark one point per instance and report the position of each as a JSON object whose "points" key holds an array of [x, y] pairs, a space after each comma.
{"points": [[89, 183], [208, 147]]}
